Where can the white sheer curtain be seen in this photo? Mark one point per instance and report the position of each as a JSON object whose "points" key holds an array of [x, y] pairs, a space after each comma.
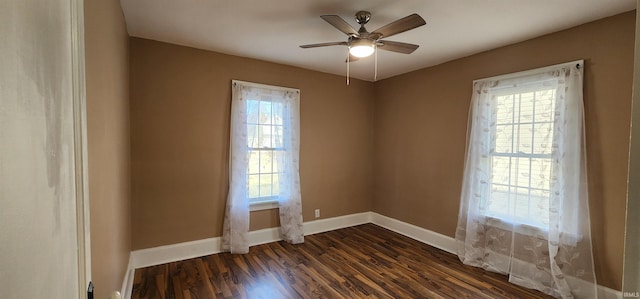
{"points": [[524, 203], [286, 142], [289, 199]]}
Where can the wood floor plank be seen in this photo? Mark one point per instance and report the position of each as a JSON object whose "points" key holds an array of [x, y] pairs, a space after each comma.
{"points": [[364, 261]]}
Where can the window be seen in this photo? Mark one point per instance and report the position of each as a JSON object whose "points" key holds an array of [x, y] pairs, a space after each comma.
{"points": [[263, 161], [265, 147], [521, 161], [524, 205], [525, 161], [265, 143]]}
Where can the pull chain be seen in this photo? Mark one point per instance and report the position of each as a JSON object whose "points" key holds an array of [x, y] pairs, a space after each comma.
{"points": [[348, 62], [375, 68]]}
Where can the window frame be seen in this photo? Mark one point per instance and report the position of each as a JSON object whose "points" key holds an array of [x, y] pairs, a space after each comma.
{"points": [[258, 150], [530, 87]]}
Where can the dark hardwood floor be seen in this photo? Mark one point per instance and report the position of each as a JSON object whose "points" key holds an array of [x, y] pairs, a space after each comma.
{"points": [[364, 261]]}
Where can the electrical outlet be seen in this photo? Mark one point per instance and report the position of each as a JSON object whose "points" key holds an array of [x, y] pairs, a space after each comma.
{"points": [[317, 213]]}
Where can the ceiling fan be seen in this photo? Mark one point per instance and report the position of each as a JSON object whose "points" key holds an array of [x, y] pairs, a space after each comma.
{"points": [[362, 43]]}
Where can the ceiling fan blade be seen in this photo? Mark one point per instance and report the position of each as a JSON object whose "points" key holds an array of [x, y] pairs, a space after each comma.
{"points": [[401, 25], [340, 24], [324, 45], [397, 47]]}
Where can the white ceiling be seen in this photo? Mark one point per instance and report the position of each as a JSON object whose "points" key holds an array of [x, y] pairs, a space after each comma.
{"points": [[273, 30]]}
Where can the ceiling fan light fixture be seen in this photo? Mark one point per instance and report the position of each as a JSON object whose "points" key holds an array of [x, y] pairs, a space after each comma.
{"points": [[362, 43], [361, 48]]}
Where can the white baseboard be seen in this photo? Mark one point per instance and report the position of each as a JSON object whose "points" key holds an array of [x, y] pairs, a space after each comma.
{"points": [[423, 235], [174, 252], [329, 224], [187, 250]]}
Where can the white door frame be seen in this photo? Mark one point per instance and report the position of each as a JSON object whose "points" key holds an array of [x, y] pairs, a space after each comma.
{"points": [[631, 273], [80, 146]]}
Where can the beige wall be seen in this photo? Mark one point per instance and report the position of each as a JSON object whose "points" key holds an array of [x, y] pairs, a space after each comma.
{"points": [[180, 105], [107, 79], [421, 122]]}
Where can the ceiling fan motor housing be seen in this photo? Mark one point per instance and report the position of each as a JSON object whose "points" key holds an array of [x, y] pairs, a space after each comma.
{"points": [[363, 17]]}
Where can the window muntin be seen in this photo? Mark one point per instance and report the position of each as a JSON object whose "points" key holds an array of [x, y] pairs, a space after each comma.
{"points": [[265, 128], [520, 160]]}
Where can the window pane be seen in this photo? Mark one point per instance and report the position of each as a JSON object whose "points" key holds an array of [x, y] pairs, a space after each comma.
{"points": [[504, 139], [278, 138], [265, 185], [526, 107], [252, 136], [252, 111], [540, 173], [500, 170], [523, 173], [266, 162], [254, 186], [543, 138], [498, 203], [264, 136], [278, 161], [276, 184], [504, 109], [525, 132], [265, 112], [254, 162], [278, 113]]}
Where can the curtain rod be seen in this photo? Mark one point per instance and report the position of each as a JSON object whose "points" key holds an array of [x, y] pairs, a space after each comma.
{"points": [[264, 86], [578, 63]]}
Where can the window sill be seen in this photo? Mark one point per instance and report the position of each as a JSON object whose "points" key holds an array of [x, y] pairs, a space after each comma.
{"points": [[529, 229], [263, 205], [521, 227]]}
